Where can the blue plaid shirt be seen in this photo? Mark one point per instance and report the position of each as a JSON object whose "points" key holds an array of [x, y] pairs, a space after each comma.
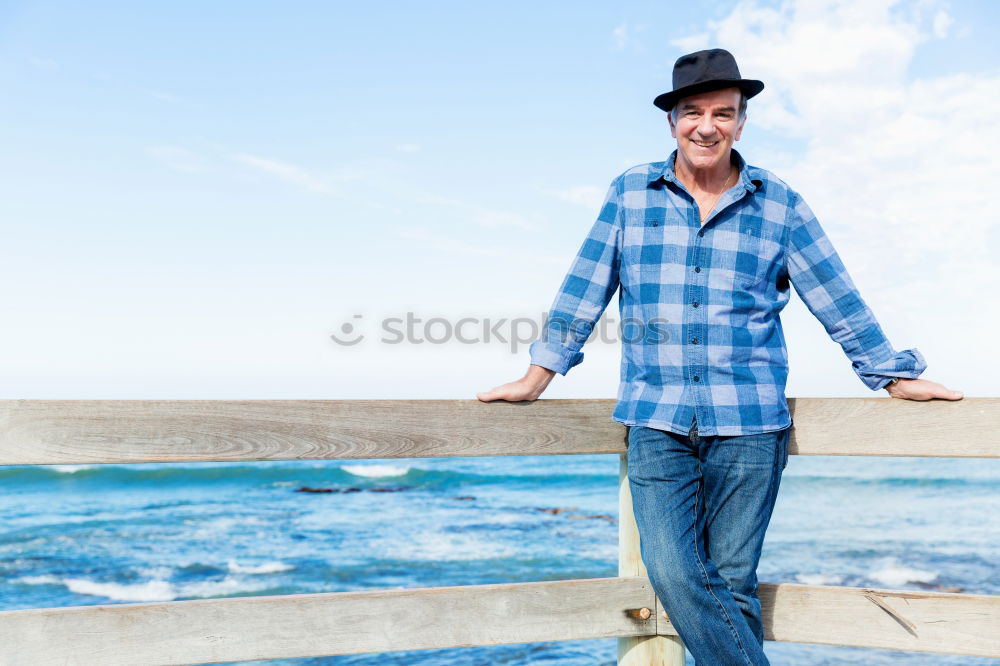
{"points": [[700, 304]]}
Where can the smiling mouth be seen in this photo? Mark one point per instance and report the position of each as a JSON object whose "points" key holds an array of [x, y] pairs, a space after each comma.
{"points": [[705, 144]]}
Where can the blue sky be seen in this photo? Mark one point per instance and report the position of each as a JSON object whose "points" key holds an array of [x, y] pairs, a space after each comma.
{"points": [[195, 195]]}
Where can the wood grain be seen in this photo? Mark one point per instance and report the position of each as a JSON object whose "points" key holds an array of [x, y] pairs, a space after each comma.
{"points": [[285, 627], [46, 432], [967, 428], [665, 649], [967, 624], [278, 627]]}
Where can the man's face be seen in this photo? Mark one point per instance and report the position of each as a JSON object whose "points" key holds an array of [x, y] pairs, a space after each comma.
{"points": [[706, 127]]}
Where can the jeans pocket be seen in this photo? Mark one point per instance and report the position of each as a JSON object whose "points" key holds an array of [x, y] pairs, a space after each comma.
{"points": [[639, 447]]}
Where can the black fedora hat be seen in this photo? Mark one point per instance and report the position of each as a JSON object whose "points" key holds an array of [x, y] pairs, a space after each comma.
{"points": [[704, 71]]}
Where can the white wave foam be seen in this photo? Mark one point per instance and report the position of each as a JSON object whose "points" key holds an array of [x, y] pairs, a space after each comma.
{"points": [[819, 579], [38, 580], [376, 470], [266, 568], [156, 573], [225, 523], [218, 588], [438, 547], [154, 590], [214, 527], [70, 469], [893, 573]]}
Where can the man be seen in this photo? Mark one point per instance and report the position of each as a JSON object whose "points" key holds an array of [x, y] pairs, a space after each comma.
{"points": [[703, 248]]}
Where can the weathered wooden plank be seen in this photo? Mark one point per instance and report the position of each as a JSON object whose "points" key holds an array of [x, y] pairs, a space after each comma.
{"points": [[967, 624], [283, 627], [113, 431], [659, 650], [968, 428], [248, 628]]}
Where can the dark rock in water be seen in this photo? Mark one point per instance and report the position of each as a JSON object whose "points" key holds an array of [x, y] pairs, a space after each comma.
{"points": [[935, 587], [307, 489], [597, 516], [555, 511], [464, 497]]}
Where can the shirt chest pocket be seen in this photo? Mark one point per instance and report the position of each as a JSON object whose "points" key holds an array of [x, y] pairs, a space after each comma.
{"points": [[750, 252], [653, 242]]}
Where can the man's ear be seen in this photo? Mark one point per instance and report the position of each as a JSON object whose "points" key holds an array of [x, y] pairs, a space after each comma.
{"points": [[739, 128], [670, 119]]}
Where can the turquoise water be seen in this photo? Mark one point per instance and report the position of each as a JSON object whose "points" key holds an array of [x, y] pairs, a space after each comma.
{"points": [[81, 535]]}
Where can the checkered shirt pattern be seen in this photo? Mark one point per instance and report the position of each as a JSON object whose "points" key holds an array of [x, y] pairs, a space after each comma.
{"points": [[699, 304]]}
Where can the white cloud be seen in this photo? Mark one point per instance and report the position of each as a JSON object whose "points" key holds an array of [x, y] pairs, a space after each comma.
{"points": [[43, 63], [289, 173], [942, 21], [620, 35], [500, 218], [896, 168], [160, 95], [178, 159], [627, 36], [429, 240], [692, 43], [437, 200], [484, 217], [219, 161], [587, 196]]}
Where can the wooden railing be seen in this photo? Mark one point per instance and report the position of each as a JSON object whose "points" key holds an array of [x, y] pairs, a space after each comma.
{"points": [[35, 432]]}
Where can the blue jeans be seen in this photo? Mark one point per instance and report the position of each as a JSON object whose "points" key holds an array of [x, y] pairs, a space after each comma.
{"points": [[702, 505]]}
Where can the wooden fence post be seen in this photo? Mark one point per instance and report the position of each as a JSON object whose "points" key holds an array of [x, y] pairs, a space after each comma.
{"points": [[639, 650]]}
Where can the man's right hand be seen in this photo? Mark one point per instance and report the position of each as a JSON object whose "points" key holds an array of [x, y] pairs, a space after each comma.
{"points": [[528, 387]]}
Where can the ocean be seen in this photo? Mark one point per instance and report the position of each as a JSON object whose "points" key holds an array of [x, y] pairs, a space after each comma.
{"points": [[75, 535]]}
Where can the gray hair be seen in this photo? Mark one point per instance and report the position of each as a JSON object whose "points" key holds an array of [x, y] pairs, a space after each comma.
{"points": [[741, 113]]}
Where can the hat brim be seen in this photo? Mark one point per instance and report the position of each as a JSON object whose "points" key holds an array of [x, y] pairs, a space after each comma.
{"points": [[667, 101]]}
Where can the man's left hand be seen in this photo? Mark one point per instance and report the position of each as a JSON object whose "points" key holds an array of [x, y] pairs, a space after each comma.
{"points": [[921, 389]]}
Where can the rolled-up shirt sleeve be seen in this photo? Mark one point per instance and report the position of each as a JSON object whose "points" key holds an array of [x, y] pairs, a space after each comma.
{"points": [[585, 292], [820, 279]]}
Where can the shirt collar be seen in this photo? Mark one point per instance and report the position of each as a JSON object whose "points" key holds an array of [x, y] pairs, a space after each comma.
{"points": [[749, 176]]}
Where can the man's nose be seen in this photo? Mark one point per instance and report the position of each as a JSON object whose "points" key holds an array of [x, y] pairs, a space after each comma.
{"points": [[706, 127]]}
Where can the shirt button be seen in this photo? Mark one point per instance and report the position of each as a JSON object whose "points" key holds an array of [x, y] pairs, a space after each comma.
{"points": [[701, 233], [697, 269], [656, 224], [696, 378], [695, 304], [694, 341]]}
